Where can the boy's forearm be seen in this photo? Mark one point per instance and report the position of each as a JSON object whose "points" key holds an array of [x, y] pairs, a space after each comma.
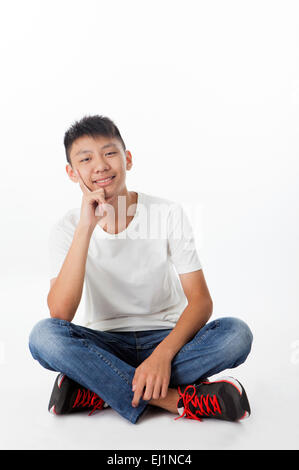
{"points": [[65, 295], [193, 318]]}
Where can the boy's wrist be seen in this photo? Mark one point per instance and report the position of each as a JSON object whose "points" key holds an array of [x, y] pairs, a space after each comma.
{"points": [[165, 350], [85, 228]]}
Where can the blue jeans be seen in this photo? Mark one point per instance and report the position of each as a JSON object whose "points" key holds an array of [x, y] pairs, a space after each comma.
{"points": [[105, 362]]}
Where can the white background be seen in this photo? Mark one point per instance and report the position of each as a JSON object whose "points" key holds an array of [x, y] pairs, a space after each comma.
{"points": [[206, 97]]}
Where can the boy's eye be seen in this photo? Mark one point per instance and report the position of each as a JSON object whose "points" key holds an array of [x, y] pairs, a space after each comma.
{"points": [[88, 158]]}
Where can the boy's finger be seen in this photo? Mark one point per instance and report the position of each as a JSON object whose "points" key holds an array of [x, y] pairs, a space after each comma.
{"points": [[137, 395], [101, 194], [164, 389], [148, 393], [134, 383], [157, 390], [81, 182]]}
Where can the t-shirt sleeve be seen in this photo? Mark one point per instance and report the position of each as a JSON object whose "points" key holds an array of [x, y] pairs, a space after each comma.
{"points": [[59, 243], [181, 244]]}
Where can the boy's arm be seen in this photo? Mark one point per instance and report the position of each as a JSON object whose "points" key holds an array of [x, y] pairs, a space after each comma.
{"points": [[195, 315], [66, 292]]}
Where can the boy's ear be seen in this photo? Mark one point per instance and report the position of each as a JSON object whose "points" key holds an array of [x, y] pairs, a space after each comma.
{"points": [[71, 174], [129, 163]]}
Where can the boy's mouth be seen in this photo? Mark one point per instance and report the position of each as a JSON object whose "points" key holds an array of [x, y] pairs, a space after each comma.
{"points": [[104, 181]]}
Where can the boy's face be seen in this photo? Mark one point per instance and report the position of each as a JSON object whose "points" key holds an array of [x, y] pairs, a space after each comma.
{"points": [[99, 158]]}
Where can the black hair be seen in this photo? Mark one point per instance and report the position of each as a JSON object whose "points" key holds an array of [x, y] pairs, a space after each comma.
{"points": [[92, 126]]}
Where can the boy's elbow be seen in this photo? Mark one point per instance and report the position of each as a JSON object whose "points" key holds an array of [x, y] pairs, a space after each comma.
{"points": [[61, 313]]}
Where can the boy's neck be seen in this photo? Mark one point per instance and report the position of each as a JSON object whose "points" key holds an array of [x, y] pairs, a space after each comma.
{"points": [[122, 220]]}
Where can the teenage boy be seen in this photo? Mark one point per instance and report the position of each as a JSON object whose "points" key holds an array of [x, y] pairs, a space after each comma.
{"points": [[146, 338]]}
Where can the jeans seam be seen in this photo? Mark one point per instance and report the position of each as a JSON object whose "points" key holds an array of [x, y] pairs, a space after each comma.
{"points": [[85, 343], [132, 416], [201, 338], [136, 346]]}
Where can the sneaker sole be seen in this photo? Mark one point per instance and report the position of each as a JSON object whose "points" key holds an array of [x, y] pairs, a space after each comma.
{"points": [[52, 410]]}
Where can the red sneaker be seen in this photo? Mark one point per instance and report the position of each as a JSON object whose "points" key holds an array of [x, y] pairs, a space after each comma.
{"points": [[68, 396], [224, 398]]}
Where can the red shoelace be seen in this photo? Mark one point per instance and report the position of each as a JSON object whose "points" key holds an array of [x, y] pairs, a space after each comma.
{"points": [[204, 406], [88, 399]]}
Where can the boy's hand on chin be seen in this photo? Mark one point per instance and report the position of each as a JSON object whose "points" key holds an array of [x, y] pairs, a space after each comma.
{"points": [[93, 204]]}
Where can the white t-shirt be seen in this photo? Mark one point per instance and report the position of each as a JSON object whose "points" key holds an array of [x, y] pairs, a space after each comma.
{"points": [[131, 279]]}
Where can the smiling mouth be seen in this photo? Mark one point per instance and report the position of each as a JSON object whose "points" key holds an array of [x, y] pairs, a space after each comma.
{"points": [[104, 181]]}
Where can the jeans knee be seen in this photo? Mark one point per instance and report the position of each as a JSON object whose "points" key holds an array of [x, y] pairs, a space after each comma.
{"points": [[240, 339], [44, 335]]}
